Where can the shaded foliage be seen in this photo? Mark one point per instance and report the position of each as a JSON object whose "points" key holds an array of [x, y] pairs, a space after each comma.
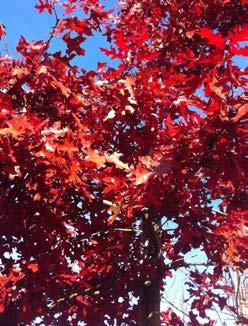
{"points": [[93, 162]]}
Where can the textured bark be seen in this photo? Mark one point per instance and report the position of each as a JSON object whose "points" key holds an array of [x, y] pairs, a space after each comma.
{"points": [[149, 301], [150, 304]]}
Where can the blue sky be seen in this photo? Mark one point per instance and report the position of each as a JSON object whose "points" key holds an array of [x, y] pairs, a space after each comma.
{"points": [[21, 18]]}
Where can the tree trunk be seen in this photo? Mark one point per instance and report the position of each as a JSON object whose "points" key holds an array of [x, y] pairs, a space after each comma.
{"points": [[149, 298], [149, 302]]}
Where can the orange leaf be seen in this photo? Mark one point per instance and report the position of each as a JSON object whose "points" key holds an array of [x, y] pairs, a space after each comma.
{"points": [[142, 176], [67, 146], [34, 267], [95, 157], [74, 169], [10, 131], [37, 197], [111, 219], [129, 82], [217, 89], [64, 90], [115, 209], [190, 34], [241, 112], [79, 124]]}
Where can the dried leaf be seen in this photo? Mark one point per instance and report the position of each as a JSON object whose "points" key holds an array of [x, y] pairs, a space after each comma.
{"points": [[142, 176], [115, 159]]}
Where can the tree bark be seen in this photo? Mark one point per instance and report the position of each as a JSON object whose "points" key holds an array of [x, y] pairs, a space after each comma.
{"points": [[149, 302], [149, 298]]}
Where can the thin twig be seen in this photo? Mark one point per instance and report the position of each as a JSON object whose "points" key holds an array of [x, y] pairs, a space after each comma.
{"points": [[6, 45], [219, 212], [55, 12], [58, 19], [115, 229], [237, 292], [174, 306], [128, 230], [218, 315]]}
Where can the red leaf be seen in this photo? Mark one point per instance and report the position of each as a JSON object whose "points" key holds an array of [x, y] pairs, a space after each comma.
{"points": [[73, 44], [120, 41], [74, 24], [2, 30], [240, 35], [44, 5], [215, 39]]}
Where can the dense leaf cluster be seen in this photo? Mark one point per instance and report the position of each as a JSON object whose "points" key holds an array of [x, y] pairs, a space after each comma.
{"points": [[96, 165]]}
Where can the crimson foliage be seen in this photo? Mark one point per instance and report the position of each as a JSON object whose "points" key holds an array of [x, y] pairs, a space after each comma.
{"points": [[93, 163]]}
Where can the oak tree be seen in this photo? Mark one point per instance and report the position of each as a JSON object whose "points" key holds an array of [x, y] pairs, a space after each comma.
{"points": [[108, 175]]}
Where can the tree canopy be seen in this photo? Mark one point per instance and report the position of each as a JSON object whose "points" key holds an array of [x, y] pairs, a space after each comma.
{"points": [[108, 175]]}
